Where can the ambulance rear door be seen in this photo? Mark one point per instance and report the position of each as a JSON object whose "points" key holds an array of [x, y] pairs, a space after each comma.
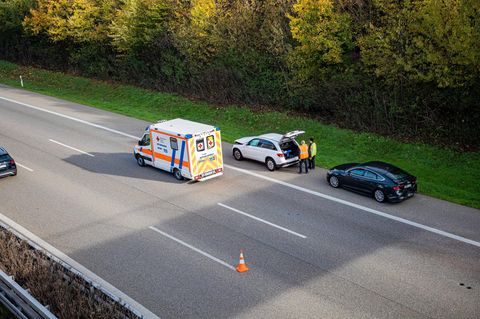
{"points": [[206, 154]]}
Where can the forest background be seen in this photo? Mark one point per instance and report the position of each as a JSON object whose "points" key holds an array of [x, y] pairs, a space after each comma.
{"points": [[408, 69]]}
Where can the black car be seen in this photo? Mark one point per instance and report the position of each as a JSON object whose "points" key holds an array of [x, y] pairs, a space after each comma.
{"points": [[381, 180], [7, 164]]}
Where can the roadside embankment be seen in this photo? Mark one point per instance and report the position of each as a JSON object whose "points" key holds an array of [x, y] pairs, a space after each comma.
{"points": [[443, 173], [67, 293]]}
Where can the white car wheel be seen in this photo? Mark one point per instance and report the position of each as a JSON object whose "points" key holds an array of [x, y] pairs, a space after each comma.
{"points": [[270, 164], [237, 154]]}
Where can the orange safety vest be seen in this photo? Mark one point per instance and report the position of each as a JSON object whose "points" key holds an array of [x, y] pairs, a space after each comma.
{"points": [[303, 151]]}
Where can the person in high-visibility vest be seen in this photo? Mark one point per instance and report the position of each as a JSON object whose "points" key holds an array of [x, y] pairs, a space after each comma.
{"points": [[303, 157], [312, 152]]}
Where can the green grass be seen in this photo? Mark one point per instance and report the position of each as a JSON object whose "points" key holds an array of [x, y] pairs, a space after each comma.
{"points": [[442, 173]]}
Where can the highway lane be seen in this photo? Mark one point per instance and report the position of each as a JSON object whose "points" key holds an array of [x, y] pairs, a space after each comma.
{"points": [[351, 264]]}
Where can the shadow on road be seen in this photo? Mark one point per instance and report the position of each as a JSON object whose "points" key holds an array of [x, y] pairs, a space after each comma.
{"points": [[120, 164]]}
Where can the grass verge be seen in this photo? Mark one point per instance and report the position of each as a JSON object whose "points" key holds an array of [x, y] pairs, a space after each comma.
{"points": [[442, 173]]}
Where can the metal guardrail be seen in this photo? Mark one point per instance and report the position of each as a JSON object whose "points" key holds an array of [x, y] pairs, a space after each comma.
{"points": [[90, 283], [20, 302]]}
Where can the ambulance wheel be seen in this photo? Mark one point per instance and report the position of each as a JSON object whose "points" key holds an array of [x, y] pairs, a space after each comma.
{"points": [[270, 163], [237, 154], [178, 174], [140, 161]]}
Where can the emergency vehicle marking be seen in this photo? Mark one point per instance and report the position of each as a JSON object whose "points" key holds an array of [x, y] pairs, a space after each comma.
{"points": [[172, 163], [167, 158], [210, 142], [192, 152], [182, 153], [211, 162], [219, 148], [146, 151]]}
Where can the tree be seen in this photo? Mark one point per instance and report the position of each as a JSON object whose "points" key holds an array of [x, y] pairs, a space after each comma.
{"points": [[139, 24], [448, 37], [196, 33], [323, 37], [12, 13], [76, 20], [425, 41]]}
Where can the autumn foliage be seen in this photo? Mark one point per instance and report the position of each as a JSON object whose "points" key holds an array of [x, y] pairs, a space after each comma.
{"points": [[406, 68]]}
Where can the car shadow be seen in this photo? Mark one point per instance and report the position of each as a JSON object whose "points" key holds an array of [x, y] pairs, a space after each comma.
{"points": [[256, 166]]}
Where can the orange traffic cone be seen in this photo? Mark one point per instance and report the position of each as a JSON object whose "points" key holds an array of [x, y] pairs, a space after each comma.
{"points": [[242, 266]]}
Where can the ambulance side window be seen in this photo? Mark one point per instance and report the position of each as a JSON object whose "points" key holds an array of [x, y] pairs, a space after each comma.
{"points": [[173, 143], [145, 141]]}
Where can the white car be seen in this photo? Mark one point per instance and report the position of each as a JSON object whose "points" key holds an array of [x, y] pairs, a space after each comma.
{"points": [[275, 150]]}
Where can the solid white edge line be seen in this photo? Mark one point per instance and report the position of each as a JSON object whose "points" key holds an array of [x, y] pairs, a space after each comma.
{"points": [[364, 208], [192, 248], [302, 189], [69, 117], [123, 298], [72, 148], [263, 221], [23, 166]]}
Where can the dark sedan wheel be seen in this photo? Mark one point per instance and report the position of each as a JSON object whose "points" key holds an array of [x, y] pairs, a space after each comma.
{"points": [[379, 196], [334, 182], [140, 161], [270, 163], [237, 154]]}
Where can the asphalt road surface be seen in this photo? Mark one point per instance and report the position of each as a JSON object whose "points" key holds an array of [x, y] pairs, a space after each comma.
{"points": [[313, 251]]}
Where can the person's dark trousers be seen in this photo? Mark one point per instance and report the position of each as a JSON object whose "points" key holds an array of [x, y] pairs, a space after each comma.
{"points": [[303, 162], [311, 163]]}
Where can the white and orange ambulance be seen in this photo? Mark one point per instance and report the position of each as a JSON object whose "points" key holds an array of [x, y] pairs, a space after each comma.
{"points": [[187, 149]]}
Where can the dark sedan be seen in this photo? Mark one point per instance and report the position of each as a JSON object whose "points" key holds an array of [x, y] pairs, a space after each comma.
{"points": [[381, 180], [7, 164]]}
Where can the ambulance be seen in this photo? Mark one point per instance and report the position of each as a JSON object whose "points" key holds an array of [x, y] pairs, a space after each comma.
{"points": [[187, 149]]}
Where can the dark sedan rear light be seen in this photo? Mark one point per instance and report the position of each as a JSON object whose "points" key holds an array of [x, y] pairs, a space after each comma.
{"points": [[12, 162], [397, 187]]}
